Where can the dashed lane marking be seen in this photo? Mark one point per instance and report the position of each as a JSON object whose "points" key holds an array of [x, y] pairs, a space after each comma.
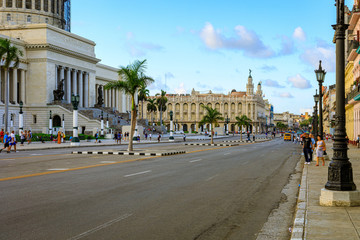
{"points": [[196, 160], [139, 173]]}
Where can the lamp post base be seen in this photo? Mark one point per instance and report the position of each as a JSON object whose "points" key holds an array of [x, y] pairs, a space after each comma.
{"points": [[75, 141], [171, 139], [329, 198]]}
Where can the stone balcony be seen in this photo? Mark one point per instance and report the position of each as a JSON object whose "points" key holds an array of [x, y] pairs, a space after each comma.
{"points": [[353, 95]]}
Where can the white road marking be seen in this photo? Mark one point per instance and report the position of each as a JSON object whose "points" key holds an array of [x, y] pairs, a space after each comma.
{"points": [[102, 226], [10, 159], [58, 169], [36, 154], [211, 178], [107, 162], [139, 173], [197, 160]]}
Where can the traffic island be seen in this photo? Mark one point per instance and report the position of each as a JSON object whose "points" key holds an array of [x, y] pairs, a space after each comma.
{"points": [[133, 153], [209, 144]]}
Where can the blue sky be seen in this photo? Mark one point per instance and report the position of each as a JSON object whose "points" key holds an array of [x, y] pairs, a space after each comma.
{"points": [[211, 45]]}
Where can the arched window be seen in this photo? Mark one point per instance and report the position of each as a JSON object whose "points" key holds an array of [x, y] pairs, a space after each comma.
{"points": [[9, 3], [28, 4], [28, 19], [57, 121], [38, 4], [8, 17], [19, 4]]}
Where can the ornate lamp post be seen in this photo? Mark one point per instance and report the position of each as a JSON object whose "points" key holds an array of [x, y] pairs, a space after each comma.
{"points": [[107, 120], [21, 118], [136, 126], [102, 123], [50, 123], [320, 76], [171, 138], [227, 120], [340, 188], [63, 123], [316, 99], [75, 141]]}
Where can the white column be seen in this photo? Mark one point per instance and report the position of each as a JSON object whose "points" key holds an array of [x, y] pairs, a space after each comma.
{"points": [[32, 4], [50, 125], [42, 5], [102, 126], [74, 87], [56, 76], [68, 85], [1, 79], [21, 122], [22, 85], [62, 69], [86, 91], [81, 89], [123, 102], [105, 97], [110, 97], [14, 87]]}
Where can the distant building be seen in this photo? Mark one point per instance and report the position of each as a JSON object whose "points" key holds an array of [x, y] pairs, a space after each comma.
{"points": [[188, 109]]}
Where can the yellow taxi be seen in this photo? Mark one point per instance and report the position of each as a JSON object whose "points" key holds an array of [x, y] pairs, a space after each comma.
{"points": [[287, 136]]}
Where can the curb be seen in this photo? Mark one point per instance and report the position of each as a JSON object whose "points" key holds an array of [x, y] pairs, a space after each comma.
{"points": [[131, 153], [208, 144], [299, 226]]}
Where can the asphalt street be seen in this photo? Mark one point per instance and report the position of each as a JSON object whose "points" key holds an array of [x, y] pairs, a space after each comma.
{"points": [[209, 193]]}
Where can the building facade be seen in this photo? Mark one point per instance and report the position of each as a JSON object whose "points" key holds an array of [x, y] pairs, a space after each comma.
{"points": [[54, 58], [188, 110]]}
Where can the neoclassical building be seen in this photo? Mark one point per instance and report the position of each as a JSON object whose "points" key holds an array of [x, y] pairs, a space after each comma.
{"points": [[54, 58], [188, 111]]}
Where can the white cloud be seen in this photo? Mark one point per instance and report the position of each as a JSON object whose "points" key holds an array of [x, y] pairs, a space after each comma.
{"points": [[323, 51], [285, 95], [299, 81], [245, 40], [304, 110], [272, 83], [139, 49], [287, 46], [181, 89], [268, 68], [169, 75], [299, 34]]}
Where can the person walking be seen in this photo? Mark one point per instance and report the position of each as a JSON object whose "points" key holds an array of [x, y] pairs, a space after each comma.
{"points": [[59, 137], [184, 137], [29, 136], [307, 146], [96, 137], [6, 142], [22, 138], [320, 148], [118, 139], [159, 137], [2, 135], [12, 141], [150, 136]]}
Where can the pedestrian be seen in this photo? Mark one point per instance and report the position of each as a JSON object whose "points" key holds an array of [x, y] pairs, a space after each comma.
{"points": [[29, 136], [118, 138], [12, 141], [150, 136], [307, 146], [320, 148], [159, 137], [2, 135], [96, 137], [248, 136], [59, 137], [6, 142], [115, 137], [184, 137], [63, 136], [146, 136], [22, 138]]}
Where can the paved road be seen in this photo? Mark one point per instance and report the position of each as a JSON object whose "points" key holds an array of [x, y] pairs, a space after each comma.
{"points": [[224, 193]]}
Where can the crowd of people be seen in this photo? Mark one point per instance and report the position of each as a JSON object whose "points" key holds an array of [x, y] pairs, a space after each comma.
{"points": [[9, 139]]}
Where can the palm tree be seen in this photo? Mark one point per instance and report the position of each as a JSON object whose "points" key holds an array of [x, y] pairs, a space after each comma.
{"points": [[151, 107], [241, 121], [161, 101], [143, 94], [132, 79], [212, 117], [11, 55]]}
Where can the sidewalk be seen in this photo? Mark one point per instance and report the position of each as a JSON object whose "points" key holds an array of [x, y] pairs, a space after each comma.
{"points": [[313, 221]]}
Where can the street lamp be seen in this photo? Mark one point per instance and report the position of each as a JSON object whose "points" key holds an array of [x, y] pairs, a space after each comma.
{"points": [[340, 187], [320, 76], [171, 138], [227, 120], [316, 99], [50, 123], [102, 123], [21, 118], [75, 99]]}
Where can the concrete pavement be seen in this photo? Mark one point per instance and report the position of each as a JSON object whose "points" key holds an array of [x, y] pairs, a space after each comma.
{"points": [[313, 221]]}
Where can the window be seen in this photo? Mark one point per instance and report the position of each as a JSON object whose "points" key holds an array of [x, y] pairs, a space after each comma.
{"points": [[28, 4], [19, 3], [37, 4], [9, 3], [28, 19], [46, 6], [34, 119], [53, 6], [8, 17]]}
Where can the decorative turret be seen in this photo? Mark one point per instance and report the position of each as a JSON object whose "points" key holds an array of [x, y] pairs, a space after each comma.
{"points": [[259, 91], [250, 85]]}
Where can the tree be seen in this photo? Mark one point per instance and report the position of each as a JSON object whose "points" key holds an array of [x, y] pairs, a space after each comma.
{"points": [[143, 94], [161, 101], [151, 107], [280, 125], [11, 55], [132, 79], [241, 121], [212, 117]]}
